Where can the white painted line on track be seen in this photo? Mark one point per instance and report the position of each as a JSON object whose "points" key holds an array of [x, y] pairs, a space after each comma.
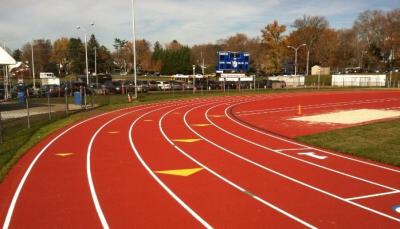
{"points": [[225, 179], [373, 195], [292, 157], [93, 193], [305, 146], [283, 175], [280, 150], [14, 200], [313, 106], [158, 180]]}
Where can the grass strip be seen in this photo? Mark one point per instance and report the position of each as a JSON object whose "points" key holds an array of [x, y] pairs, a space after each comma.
{"points": [[379, 141]]}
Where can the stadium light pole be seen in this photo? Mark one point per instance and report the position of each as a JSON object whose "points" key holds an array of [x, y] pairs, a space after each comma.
{"points": [[194, 79], [134, 47], [33, 67], [86, 52], [295, 56]]}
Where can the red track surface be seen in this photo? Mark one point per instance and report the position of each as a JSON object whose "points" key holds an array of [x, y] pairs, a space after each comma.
{"points": [[103, 172]]}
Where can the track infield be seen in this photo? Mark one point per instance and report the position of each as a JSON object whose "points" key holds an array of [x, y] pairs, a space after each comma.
{"points": [[226, 162]]}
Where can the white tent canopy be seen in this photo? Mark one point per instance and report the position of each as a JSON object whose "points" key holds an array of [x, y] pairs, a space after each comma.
{"points": [[5, 58]]}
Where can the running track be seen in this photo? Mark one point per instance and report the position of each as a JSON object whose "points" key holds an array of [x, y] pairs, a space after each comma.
{"points": [[109, 171]]}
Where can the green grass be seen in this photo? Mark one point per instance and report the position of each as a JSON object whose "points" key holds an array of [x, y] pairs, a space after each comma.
{"points": [[378, 142]]}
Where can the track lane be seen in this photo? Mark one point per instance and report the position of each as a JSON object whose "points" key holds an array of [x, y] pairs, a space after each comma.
{"points": [[218, 203], [311, 195], [51, 181]]}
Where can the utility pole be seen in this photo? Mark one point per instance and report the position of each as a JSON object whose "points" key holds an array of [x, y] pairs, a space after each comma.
{"points": [[134, 47], [33, 67], [194, 79]]}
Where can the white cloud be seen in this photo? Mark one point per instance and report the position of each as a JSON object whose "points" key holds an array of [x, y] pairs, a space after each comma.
{"points": [[188, 21]]}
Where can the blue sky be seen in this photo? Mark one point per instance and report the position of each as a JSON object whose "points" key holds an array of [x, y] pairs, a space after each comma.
{"points": [[188, 21]]}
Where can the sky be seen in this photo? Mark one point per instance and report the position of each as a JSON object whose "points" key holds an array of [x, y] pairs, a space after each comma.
{"points": [[188, 21]]}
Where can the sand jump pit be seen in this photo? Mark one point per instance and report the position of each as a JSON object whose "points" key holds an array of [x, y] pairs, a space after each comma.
{"points": [[350, 117]]}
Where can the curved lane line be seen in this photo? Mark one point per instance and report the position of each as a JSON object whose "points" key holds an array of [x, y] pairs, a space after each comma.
{"points": [[223, 178], [95, 199], [158, 180], [302, 145], [295, 158], [14, 200], [290, 178]]}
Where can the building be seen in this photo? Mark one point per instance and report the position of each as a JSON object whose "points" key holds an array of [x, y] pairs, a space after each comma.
{"points": [[318, 70]]}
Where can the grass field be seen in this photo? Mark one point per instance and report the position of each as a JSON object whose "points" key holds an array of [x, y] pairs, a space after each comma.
{"points": [[378, 142]]}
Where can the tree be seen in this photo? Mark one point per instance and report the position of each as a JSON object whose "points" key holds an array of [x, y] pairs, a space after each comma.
{"points": [[76, 56], [17, 54], [236, 43], [59, 54], [310, 29], [92, 45], [274, 41], [42, 52]]}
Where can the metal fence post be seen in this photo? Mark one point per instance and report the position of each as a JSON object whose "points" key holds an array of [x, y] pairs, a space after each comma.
{"points": [[48, 104], [66, 101], [27, 110]]}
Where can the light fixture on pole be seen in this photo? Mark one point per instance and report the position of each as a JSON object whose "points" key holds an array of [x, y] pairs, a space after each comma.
{"points": [[295, 56], [134, 47]]}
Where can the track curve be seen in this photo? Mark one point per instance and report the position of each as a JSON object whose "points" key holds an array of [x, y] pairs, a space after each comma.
{"points": [[213, 162]]}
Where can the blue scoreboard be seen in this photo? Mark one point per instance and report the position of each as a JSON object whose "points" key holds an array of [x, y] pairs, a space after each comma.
{"points": [[233, 61]]}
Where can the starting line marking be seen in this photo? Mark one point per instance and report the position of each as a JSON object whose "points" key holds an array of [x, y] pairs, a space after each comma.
{"points": [[180, 172], [373, 195], [313, 155], [280, 150]]}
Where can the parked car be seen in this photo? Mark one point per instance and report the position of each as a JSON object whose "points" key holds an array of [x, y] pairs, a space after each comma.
{"points": [[112, 87], [176, 85], [152, 86], [52, 89], [163, 85]]}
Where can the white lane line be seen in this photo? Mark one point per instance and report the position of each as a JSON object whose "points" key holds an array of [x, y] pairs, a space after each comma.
{"points": [[93, 193], [14, 200], [158, 180], [372, 195], [313, 106], [292, 157], [302, 145], [285, 176], [280, 150], [225, 179]]}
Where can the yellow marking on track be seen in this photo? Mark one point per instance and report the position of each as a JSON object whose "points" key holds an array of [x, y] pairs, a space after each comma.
{"points": [[177, 113], [147, 120], [113, 132], [216, 116], [180, 172], [189, 140], [201, 125], [64, 154]]}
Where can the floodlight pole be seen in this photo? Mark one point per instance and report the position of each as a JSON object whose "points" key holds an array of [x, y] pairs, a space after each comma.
{"points": [[295, 56], [33, 67], [134, 48], [86, 59], [194, 79]]}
